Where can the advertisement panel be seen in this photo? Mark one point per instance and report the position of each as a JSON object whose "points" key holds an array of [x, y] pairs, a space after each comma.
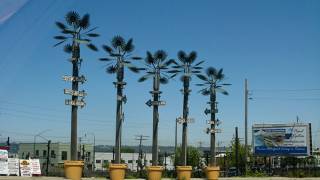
{"points": [[3, 162], [13, 166], [281, 139]]}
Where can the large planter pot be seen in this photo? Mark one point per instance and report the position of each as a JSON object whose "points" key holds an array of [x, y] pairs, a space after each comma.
{"points": [[184, 172], [117, 171], [212, 172], [73, 169], [154, 172]]}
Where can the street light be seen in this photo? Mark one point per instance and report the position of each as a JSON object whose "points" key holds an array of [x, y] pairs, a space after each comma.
{"points": [[34, 140]]}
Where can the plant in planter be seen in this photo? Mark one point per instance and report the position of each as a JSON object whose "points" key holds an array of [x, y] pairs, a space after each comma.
{"points": [[119, 56], [74, 34], [187, 69], [213, 83], [156, 66]]}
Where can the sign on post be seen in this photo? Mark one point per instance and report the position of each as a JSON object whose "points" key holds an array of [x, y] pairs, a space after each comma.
{"points": [[13, 166], [80, 103], [35, 166], [4, 162], [75, 93], [25, 168]]}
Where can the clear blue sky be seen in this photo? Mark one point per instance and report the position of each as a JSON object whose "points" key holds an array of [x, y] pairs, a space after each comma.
{"points": [[275, 44]]}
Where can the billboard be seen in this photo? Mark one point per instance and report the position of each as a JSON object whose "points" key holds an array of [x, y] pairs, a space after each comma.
{"points": [[281, 139]]}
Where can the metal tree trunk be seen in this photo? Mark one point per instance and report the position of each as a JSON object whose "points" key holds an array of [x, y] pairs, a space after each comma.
{"points": [[74, 109], [155, 120], [119, 115], [213, 125], [186, 90]]}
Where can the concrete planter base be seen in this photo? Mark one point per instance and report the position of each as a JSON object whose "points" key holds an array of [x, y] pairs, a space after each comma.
{"points": [[212, 172], [73, 169], [154, 172], [117, 171], [184, 172]]}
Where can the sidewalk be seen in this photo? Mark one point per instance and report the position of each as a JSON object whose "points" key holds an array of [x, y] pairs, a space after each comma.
{"points": [[231, 178]]}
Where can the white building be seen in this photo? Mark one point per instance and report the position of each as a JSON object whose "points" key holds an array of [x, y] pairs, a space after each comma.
{"points": [[131, 159]]}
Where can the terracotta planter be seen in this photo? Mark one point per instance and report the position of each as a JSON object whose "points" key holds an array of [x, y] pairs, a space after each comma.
{"points": [[184, 172], [117, 171], [154, 172], [212, 172], [73, 169]]}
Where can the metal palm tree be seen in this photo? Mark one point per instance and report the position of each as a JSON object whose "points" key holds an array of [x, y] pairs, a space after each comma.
{"points": [[76, 32], [213, 83], [156, 66], [187, 69], [119, 56]]}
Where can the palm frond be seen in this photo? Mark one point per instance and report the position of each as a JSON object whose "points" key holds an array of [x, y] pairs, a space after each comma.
{"points": [[61, 25], [160, 55], [211, 71], [226, 84], [118, 42], [192, 57], [173, 71], [196, 72], [92, 47], [111, 69], [90, 30], [59, 43], [93, 35], [136, 58], [220, 90], [164, 80], [105, 59], [67, 31], [205, 92], [60, 37], [200, 84], [197, 68], [199, 63], [149, 59], [67, 48], [107, 48], [72, 18], [174, 75], [134, 69], [129, 47], [176, 67], [182, 56], [85, 21], [202, 77]]}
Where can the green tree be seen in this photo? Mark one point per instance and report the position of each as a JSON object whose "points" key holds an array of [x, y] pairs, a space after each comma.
{"points": [[231, 155], [187, 69], [155, 65], [213, 83], [119, 56], [75, 32], [193, 157]]}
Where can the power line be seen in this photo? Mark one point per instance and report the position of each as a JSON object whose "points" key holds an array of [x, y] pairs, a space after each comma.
{"points": [[278, 90]]}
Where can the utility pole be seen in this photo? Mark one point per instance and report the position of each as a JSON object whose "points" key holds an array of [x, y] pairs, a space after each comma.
{"points": [[246, 123], [237, 151], [165, 161], [48, 158], [140, 138]]}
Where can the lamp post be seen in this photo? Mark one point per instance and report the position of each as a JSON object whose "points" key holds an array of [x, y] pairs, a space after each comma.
{"points": [[34, 140]]}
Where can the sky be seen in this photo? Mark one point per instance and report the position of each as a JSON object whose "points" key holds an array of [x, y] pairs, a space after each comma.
{"points": [[274, 44]]}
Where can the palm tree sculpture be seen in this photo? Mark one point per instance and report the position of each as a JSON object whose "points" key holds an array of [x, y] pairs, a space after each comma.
{"points": [[156, 65], [187, 70], [77, 32], [119, 56], [211, 85]]}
